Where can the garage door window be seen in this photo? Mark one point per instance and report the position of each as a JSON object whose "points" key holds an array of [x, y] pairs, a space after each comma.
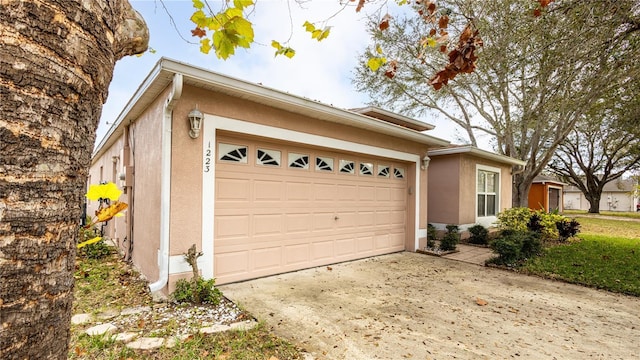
{"points": [[232, 153], [268, 157], [383, 170], [324, 164], [398, 173], [366, 169], [347, 167], [298, 161]]}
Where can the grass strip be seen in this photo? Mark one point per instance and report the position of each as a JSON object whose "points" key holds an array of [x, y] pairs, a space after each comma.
{"points": [[610, 263]]}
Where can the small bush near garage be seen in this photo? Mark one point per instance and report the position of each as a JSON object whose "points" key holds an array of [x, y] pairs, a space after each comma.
{"points": [[432, 236], [450, 239], [197, 291], [514, 247], [479, 235]]}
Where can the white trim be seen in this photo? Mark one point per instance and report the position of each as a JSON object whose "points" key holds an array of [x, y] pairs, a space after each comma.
{"points": [[560, 201], [208, 199], [178, 264], [477, 152], [165, 186], [212, 123], [487, 221]]}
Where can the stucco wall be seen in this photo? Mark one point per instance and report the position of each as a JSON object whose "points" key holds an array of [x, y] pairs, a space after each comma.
{"points": [[146, 136], [444, 184], [452, 181], [187, 155]]}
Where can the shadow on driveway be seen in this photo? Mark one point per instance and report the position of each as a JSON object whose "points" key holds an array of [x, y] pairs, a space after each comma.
{"points": [[409, 305]]}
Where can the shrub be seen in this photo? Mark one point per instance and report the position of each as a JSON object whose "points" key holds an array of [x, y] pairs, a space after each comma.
{"points": [[515, 219], [197, 291], [432, 236], [450, 238], [479, 235], [567, 229], [524, 219], [513, 247]]}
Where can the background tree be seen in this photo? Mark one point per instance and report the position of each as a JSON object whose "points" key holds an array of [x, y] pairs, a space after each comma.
{"points": [[56, 62], [604, 146], [534, 79]]}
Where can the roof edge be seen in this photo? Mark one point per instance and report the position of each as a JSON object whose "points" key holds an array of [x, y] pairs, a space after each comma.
{"points": [[472, 150]]}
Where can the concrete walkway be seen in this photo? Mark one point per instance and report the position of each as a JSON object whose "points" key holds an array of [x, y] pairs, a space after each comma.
{"points": [[471, 254]]}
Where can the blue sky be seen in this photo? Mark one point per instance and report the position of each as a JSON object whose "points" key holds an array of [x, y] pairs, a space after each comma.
{"points": [[320, 71]]}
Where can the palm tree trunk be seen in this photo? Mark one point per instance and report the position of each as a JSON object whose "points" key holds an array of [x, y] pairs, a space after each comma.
{"points": [[56, 62]]}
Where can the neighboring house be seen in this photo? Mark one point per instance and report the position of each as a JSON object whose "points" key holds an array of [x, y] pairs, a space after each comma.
{"points": [[546, 193], [266, 182], [616, 196]]}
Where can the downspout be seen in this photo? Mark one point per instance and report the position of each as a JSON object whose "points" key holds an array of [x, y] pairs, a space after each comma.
{"points": [[165, 185]]}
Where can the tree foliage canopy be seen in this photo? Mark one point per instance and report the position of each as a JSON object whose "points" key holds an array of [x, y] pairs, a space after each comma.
{"points": [[536, 76]]}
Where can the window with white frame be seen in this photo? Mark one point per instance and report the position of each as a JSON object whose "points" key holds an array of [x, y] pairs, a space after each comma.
{"points": [[487, 190]]}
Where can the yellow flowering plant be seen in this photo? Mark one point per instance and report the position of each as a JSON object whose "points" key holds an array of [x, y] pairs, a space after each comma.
{"points": [[107, 194]]}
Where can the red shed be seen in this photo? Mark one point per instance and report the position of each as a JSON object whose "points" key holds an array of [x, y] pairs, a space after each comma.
{"points": [[546, 193]]}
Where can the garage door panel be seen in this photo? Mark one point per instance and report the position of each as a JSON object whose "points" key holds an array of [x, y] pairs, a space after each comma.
{"points": [[398, 195], [232, 226], [233, 189], [323, 221], [381, 242], [270, 220], [268, 258], [322, 250], [397, 241], [383, 194], [296, 254], [298, 191], [298, 223], [325, 192], [268, 190], [366, 193], [267, 224], [366, 218], [365, 244], [232, 263], [347, 219], [347, 192], [345, 247]]}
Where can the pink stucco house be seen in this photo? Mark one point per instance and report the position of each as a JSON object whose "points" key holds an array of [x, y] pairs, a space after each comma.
{"points": [[266, 182]]}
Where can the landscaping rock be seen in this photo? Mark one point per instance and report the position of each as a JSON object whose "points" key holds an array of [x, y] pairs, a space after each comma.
{"points": [[108, 315], [126, 336], [146, 343], [243, 325], [136, 310], [80, 319], [214, 329], [101, 329]]}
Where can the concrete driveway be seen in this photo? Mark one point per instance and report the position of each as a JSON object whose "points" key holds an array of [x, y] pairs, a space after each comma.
{"points": [[415, 306]]}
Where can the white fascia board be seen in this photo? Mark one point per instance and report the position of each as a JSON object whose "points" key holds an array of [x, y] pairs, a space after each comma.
{"points": [[279, 99], [471, 150], [391, 114]]}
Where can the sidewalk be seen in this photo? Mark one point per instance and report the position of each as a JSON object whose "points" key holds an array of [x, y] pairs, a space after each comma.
{"points": [[471, 254]]}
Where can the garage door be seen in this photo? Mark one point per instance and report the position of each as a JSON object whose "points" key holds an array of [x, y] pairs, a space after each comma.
{"points": [[281, 207]]}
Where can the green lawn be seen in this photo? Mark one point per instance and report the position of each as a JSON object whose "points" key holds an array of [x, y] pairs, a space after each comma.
{"points": [[606, 257], [633, 215]]}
